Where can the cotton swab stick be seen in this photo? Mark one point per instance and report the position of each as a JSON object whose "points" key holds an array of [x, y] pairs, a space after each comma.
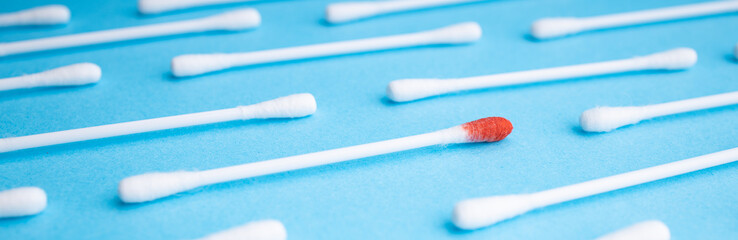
{"points": [[159, 6], [293, 106], [70, 75], [151, 186], [229, 21], [605, 119], [558, 27], [413, 89], [648, 230], [258, 230], [196, 64], [43, 15], [350, 11], [735, 51], [23, 201], [480, 212]]}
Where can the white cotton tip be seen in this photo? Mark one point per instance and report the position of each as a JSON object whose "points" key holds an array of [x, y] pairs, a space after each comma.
{"points": [[71, 75], [349, 11], [23, 201], [259, 230], [675, 59], [466, 32], [481, 212], [605, 119], [735, 51], [43, 15], [152, 186], [555, 27], [195, 64], [236, 20], [405, 90], [648, 230], [292, 106]]}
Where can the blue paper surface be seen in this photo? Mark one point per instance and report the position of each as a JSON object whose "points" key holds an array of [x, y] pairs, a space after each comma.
{"points": [[406, 195]]}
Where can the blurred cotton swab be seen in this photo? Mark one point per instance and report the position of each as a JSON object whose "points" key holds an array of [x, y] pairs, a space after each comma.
{"points": [[480, 212], [23, 201], [413, 89], [43, 15], [151, 186], [258, 230], [71, 75], [196, 64], [557, 27], [293, 106], [605, 119], [350, 11], [159, 6], [648, 230], [229, 21]]}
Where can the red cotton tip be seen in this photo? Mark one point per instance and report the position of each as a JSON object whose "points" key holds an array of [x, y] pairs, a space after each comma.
{"points": [[491, 129]]}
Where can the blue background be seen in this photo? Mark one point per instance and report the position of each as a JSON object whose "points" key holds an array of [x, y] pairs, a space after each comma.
{"points": [[407, 195]]}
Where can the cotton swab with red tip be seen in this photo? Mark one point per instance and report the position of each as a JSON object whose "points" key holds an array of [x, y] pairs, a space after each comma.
{"points": [[159, 6], [230, 21], [43, 15], [481, 212], [22, 201], [70, 75], [349, 11], [196, 64], [648, 230], [558, 27], [605, 119], [257, 230], [151, 186], [293, 106], [413, 89]]}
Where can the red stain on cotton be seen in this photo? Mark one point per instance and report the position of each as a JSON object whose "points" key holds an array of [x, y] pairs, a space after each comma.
{"points": [[491, 129]]}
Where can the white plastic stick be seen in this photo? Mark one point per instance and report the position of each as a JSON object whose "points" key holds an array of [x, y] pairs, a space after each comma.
{"points": [[43, 15], [258, 230], [151, 186], [558, 27], [159, 6], [648, 230], [293, 106], [350, 11], [23, 201], [196, 64], [605, 119], [70, 75], [413, 89], [229, 21], [480, 212]]}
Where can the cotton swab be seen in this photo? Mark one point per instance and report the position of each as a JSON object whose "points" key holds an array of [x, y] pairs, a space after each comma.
{"points": [[350, 11], [413, 89], [151, 186], [648, 230], [735, 51], [293, 106], [229, 21], [480, 212], [159, 6], [23, 201], [43, 15], [71, 75], [558, 27], [258, 230], [196, 64], [605, 119]]}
